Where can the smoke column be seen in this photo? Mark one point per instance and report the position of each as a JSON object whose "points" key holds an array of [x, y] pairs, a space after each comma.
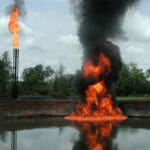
{"points": [[100, 20], [20, 4]]}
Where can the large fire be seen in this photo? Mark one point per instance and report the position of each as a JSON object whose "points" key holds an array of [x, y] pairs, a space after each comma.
{"points": [[99, 105], [14, 27]]}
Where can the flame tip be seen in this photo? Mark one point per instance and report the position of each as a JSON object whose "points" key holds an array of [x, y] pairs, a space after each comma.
{"points": [[14, 26]]}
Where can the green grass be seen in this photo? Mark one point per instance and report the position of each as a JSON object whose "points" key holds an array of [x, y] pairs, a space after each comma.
{"points": [[128, 98]]}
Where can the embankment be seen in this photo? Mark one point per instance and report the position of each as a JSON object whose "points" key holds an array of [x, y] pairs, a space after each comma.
{"points": [[10, 109]]}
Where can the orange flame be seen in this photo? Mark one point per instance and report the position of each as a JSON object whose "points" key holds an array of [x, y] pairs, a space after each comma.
{"points": [[14, 27], [99, 105], [94, 71]]}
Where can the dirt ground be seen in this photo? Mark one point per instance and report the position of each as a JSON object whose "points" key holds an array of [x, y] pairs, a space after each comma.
{"points": [[21, 108]]}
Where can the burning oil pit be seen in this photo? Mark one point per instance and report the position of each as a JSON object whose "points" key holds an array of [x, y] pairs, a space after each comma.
{"points": [[46, 133], [99, 21]]}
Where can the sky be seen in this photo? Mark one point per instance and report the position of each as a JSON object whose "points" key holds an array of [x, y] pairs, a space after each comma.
{"points": [[48, 35]]}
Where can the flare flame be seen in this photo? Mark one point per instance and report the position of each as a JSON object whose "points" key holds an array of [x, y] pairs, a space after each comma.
{"points": [[14, 26]]}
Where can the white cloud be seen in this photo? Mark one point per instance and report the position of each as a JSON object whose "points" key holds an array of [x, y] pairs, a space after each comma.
{"points": [[69, 39], [137, 30], [53, 63], [28, 43], [39, 35], [63, 0], [4, 25], [4, 21], [44, 45], [137, 26], [49, 37], [25, 29]]}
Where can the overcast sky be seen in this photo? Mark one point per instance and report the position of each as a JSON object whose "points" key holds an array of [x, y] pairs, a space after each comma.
{"points": [[48, 35]]}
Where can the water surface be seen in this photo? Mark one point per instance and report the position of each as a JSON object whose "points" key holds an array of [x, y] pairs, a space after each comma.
{"points": [[58, 134]]}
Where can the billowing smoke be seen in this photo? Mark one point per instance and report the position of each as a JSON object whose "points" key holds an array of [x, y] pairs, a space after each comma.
{"points": [[99, 21], [20, 4]]}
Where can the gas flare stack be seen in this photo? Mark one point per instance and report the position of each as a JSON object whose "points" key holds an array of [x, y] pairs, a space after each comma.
{"points": [[14, 28], [16, 10], [15, 73]]}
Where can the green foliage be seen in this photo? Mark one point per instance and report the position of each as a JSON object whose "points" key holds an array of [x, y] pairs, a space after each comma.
{"points": [[5, 75], [62, 86], [147, 73], [132, 81], [45, 81], [34, 80]]}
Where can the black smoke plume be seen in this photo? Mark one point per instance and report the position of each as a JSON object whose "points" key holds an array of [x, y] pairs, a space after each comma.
{"points": [[99, 21], [20, 4]]}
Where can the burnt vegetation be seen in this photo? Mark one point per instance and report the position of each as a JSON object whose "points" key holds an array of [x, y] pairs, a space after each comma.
{"points": [[45, 81]]}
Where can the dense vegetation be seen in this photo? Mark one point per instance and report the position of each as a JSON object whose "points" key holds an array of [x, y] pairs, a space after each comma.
{"points": [[45, 81], [5, 75]]}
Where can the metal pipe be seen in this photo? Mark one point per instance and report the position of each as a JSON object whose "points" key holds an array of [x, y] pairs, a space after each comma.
{"points": [[15, 93]]}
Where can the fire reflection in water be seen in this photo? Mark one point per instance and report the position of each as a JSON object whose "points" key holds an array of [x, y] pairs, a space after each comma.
{"points": [[95, 136]]}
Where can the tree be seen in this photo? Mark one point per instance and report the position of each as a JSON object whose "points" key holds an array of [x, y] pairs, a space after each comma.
{"points": [[49, 72], [60, 71], [5, 74], [34, 80], [132, 81], [147, 73], [41, 81], [62, 84], [137, 80]]}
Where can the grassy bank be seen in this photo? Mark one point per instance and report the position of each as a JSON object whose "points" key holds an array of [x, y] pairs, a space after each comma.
{"points": [[134, 98]]}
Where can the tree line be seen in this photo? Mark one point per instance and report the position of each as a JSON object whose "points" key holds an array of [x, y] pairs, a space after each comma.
{"points": [[45, 81]]}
